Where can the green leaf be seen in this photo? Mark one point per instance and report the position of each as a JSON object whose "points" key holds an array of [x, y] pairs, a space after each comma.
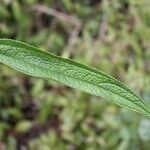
{"points": [[32, 61]]}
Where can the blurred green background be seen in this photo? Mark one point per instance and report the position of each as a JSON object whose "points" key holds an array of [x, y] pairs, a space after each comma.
{"points": [[111, 35]]}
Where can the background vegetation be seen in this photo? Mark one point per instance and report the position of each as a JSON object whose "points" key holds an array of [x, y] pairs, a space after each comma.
{"points": [[111, 35]]}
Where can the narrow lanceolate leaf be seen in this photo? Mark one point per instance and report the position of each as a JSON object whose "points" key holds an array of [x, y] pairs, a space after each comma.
{"points": [[32, 61]]}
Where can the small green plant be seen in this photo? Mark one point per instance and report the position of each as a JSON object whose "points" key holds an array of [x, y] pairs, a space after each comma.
{"points": [[32, 61]]}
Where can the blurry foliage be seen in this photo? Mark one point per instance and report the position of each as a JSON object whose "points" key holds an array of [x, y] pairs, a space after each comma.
{"points": [[39, 114]]}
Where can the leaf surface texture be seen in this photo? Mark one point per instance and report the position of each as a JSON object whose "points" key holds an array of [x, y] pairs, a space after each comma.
{"points": [[35, 62]]}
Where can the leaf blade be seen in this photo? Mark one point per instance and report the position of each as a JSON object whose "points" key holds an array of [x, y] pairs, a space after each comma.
{"points": [[32, 61]]}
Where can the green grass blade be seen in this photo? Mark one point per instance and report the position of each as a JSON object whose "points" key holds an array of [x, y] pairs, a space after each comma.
{"points": [[32, 61]]}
